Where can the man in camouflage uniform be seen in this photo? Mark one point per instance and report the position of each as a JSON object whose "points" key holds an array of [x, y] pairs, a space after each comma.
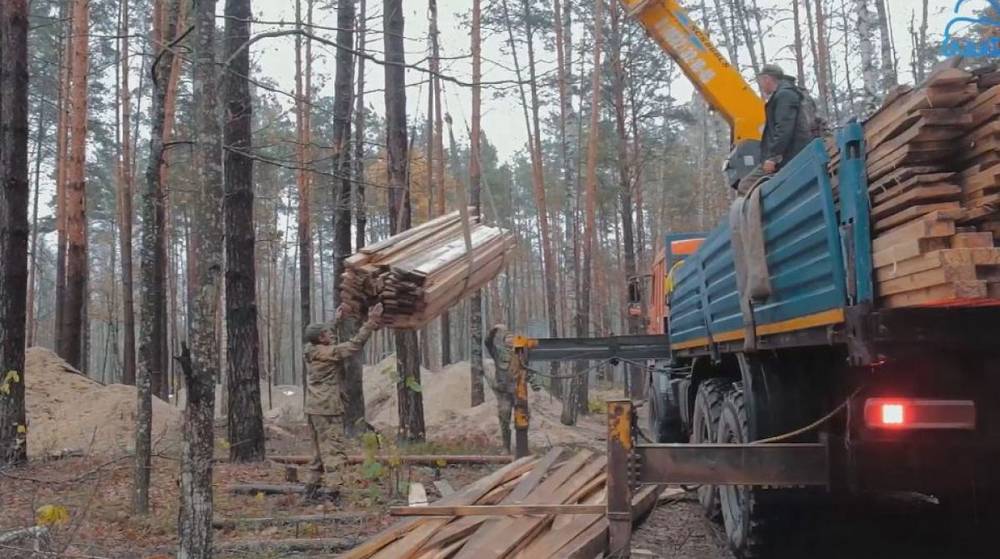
{"points": [[326, 359], [499, 344]]}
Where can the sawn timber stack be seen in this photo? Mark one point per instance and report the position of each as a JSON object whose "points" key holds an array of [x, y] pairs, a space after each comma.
{"points": [[421, 272], [552, 507], [934, 187]]}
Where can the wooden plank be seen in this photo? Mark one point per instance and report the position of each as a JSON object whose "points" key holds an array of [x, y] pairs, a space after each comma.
{"points": [[417, 495], [972, 240], [594, 541], [502, 535], [564, 529], [976, 257], [937, 294], [917, 195], [930, 226], [914, 212], [465, 526], [941, 275], [495, 510], [908, 175], [981, 181], [906, 250], [467, 495]]}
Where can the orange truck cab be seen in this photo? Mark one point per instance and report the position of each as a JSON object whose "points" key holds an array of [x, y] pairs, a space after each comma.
{"points": [[668, 259]]}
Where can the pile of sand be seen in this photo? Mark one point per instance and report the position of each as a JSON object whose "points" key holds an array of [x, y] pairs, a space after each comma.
{"points": [[68, 411], [448, 415]]}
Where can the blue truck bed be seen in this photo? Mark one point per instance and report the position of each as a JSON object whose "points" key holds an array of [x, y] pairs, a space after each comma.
{"points": [[810, 277]]}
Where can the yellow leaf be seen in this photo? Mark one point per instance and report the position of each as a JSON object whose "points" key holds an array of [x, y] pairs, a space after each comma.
{"points": [[52, 515], [22, 429], [10, 378], [259, 496], [441, 462]]}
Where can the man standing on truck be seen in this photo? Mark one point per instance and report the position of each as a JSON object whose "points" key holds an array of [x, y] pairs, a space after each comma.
{"points": [[326, 359], [791, 123]]}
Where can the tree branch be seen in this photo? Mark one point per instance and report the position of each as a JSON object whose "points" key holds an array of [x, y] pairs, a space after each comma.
{"points": [[365, 55]]}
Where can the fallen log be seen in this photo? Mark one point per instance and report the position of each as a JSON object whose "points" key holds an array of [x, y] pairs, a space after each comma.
{"points": [[246, 548], [495, 510], [422, 459], [257, 522], [278, 489]]}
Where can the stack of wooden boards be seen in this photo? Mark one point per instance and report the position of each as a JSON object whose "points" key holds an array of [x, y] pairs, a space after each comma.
{"points": [[421, 272], [504, 515], [934, 185]]}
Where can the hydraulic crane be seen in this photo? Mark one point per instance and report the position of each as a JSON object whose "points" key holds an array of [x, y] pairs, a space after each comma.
{"points": [[718, 81]]}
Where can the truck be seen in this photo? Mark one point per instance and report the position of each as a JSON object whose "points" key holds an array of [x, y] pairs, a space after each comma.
{"points": [[815, 391]]}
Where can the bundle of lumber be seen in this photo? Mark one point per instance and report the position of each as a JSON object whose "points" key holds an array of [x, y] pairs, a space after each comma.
{"points": [[551, 506], [421, 272], [933, 179]]}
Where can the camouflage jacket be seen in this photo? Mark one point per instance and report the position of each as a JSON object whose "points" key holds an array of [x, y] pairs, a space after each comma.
{"points": [[325, 365], [502, 380]]}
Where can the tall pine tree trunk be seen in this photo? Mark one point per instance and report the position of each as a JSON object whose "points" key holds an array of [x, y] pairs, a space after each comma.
{"points": [[578, 400], [889, 77], [31, 321], [537, 176], [195, 517], [360, 209], [305, 195], [73, 331], [153, 295], [125, 208], [800, 71], [476, 391], [410, 401], [353, 387], [624, 185], [245, 421], [13, 227]]}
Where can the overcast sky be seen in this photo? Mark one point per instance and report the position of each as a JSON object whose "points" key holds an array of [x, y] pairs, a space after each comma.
{"points": [[502, 118]]}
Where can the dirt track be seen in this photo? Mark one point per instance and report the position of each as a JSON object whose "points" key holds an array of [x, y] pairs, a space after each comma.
{"points": [[882, 529]]}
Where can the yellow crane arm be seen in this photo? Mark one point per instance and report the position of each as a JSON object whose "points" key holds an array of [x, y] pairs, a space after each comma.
{"points": [[716, 79]]}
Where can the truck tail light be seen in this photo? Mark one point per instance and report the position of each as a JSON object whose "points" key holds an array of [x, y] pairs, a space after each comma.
{"points": [[898, 413]]}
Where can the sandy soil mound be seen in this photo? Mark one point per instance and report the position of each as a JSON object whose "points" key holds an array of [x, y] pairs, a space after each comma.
{"points": [[448, 415], [67, 410]]}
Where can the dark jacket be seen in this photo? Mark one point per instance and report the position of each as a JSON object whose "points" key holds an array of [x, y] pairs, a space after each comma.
{"points": [[786, 131]]}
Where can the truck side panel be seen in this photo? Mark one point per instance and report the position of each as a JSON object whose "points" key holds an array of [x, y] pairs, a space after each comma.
{"points": [[805, 264]]}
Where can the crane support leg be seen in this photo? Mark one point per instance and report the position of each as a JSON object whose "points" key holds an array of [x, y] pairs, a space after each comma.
{"points": [[521, 418], [620, 423]]}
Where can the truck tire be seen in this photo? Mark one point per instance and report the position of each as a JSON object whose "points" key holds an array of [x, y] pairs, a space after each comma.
{"points": [[708, 404], [746, 516], [664, 422]]}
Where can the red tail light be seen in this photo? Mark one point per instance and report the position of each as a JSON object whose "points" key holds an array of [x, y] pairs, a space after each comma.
{"points": [[896, 413], [893, 414]]}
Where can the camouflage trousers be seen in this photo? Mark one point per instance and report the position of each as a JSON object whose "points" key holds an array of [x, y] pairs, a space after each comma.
{"points": [[505, 407], [329, 449]]}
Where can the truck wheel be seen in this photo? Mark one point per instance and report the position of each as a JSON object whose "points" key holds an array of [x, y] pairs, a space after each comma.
{"points": [[664, 423], [744, 515], [704, 428]]}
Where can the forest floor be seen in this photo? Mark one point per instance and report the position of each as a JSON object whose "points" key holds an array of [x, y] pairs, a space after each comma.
{"points": [[81, 462]]}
